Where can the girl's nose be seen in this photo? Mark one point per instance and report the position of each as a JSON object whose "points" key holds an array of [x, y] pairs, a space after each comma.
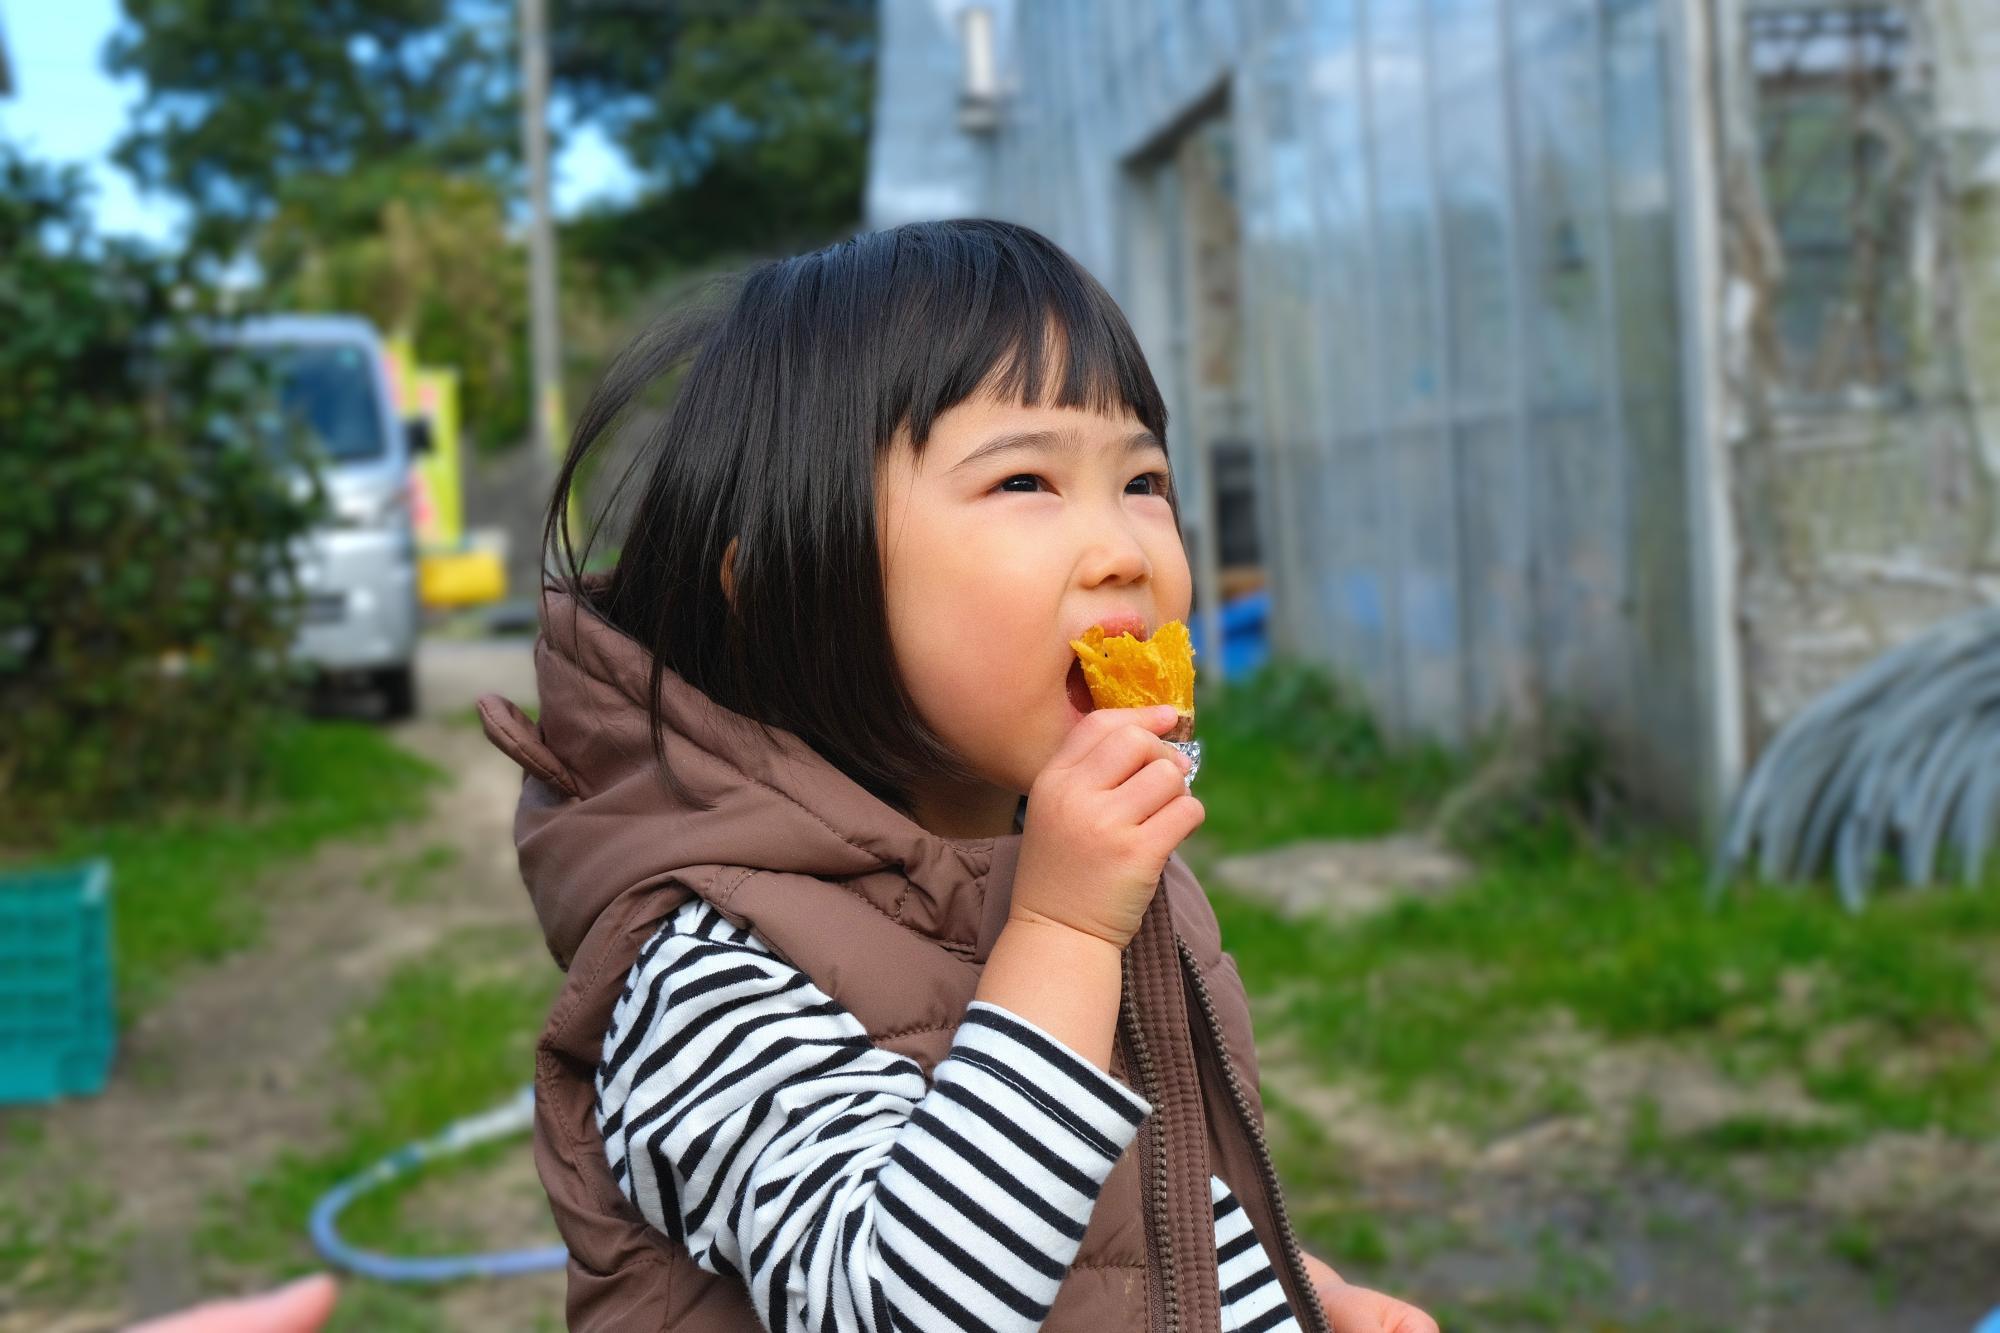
{"points": [[1114, 555]]}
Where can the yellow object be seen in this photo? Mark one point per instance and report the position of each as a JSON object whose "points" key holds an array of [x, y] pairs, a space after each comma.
{"points": [[460, 578], [430, 393], [436, 393], [451, 571], [1124, 672]]}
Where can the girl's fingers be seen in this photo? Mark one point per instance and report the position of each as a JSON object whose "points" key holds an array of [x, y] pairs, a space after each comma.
{"points": [[1118, 756], [1172, 822], [1087, 734], [1156, 783]]}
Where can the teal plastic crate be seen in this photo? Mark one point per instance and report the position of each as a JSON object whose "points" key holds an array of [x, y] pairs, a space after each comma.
{"points": [[57, 1025]]}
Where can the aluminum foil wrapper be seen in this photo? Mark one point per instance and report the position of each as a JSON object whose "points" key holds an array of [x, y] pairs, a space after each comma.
{"points": [[1182, 739], [1192, 749]]}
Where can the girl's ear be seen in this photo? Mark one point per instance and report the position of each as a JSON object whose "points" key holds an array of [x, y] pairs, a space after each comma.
{"points": [[729, 573]]}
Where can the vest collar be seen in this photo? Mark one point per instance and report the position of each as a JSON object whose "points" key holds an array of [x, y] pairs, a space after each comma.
{"points": [[602, 822]]}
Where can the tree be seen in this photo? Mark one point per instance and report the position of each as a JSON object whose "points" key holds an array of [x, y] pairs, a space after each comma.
{"points": [[421, 254], [242, 95], [751, 129], [145, 532], [760, 105], [364, 150], [359, 150]]}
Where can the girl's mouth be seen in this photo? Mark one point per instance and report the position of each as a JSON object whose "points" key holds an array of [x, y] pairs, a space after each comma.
{"points": [[1077, 689]]}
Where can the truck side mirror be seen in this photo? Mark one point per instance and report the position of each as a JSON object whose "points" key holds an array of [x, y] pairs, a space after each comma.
{"points": [[417, 431]]}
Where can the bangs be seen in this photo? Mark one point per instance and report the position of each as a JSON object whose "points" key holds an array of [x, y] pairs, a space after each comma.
{"points": [[986, 309]]}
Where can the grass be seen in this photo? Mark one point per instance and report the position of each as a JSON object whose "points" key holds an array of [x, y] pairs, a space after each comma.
{"points": [[450, 1035], [1332, 1217], [185, 890], [1891, 1017], [56, 1245], [1621, 942], [185, 887], [1289, 755]]}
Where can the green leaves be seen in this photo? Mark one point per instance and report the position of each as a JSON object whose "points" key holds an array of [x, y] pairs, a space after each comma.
{"points": [[419, 253], [241, 95], [751, 128], [131, 532]]}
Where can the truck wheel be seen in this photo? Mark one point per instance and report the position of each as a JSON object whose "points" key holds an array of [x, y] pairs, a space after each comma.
{"points": [[398, 686]]}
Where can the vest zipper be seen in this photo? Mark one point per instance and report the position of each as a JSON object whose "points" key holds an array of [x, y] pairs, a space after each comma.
{"points": [[1294, 1258], [1165, 1316]]}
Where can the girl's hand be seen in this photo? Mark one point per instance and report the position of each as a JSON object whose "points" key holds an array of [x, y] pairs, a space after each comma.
{"points": [[1103, 817], [1352, 1309]]}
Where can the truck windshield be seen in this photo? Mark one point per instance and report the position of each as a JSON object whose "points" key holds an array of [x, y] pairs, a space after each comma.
{"points": [[329, 388]]}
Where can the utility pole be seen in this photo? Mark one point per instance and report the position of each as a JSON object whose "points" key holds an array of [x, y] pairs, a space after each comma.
{"points": [[544, 329], [6, 70]]}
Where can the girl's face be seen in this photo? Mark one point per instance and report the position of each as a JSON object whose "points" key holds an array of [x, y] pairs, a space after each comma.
{"points": [[1018, 529]]}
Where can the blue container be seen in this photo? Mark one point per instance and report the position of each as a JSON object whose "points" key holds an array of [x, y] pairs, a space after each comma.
{"points": [[57, 1026], [1246, 642]]}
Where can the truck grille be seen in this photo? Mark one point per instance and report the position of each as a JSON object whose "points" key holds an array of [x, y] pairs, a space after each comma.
{"points": [[325, 608]]}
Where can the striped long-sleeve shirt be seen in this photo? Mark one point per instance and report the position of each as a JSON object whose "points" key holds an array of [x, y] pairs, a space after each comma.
{"points": [[747, 1115]]}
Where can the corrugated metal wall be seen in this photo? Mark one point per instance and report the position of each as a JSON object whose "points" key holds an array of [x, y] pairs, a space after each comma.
{"points": [[1463, 245], [1462, 339]]}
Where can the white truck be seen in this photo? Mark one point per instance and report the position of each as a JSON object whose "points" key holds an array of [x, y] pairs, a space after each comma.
{"points": [[359, 569]]}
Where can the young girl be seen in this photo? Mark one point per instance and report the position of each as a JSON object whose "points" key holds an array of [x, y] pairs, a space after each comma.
{"points": [[853, 1035]]}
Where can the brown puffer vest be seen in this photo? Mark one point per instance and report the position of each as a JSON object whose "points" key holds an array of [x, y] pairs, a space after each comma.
{"points": [[892, 921]]}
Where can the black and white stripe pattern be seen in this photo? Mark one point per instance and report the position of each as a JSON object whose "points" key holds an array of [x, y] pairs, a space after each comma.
{"points": [[1252, 1300], [747, 1115]]}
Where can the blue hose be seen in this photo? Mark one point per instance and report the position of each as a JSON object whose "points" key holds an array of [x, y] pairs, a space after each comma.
{"points": [[1990, 1324], [510, 1118]]}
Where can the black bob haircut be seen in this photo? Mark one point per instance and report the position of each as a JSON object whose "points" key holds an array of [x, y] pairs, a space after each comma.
{"points": [[798, 374]]}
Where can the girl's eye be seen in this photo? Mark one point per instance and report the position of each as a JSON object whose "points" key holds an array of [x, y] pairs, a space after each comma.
{"points": [[1155, 483]]}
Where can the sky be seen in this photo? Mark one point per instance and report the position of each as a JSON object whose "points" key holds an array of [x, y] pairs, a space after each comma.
{"points": [[65, 108]]}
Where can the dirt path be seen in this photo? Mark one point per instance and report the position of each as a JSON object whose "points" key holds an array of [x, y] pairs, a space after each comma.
{"points": [[232, 1068]]}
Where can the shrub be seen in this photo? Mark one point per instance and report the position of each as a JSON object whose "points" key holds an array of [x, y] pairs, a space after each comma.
{"points": [[146, 602]]}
